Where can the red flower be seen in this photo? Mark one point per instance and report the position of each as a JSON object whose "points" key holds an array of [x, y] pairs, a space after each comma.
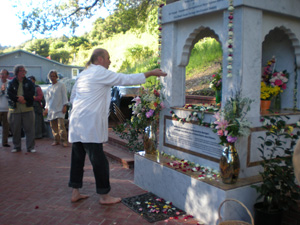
{"points": [[278, 82], [283, 86]]}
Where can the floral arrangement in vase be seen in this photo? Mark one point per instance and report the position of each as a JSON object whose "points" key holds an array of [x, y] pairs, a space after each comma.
{"points": [[216, 85], [267, 92], [231, 122], [273, 83], [144, 119], [147, 105], [216, 82]]}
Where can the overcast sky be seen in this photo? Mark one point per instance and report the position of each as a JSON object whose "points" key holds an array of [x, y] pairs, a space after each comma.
{"points": [[12, 34]]}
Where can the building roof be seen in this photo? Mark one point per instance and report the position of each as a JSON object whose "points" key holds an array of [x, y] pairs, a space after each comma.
{"points": [[38, 56]]}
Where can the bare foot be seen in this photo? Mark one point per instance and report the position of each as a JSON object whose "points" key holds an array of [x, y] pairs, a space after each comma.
{"points": [[65, 145], [76, 196], [55, 143], [108, 200]]}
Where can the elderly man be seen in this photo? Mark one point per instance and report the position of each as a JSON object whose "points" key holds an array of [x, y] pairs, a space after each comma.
{"points": [[56, 108], [20, 93], [4, 107], [88, 127]]}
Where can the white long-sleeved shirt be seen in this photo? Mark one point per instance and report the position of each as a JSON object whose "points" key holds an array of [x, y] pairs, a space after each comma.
{"points": [[3, 98], [91, 96], [56, 98]]}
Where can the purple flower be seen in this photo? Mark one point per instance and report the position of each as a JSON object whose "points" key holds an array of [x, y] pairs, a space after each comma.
{"points": [[231, 139], [149, 113]]}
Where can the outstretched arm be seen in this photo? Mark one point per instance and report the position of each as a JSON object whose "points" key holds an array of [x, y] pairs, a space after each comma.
{"points": [[156, 73]]}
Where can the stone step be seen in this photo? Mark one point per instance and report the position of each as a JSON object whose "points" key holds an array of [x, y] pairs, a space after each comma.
{"points": [[116, 149]]}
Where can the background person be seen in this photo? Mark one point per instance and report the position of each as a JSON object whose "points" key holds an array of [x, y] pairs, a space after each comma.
{"points": [[38, 107], [4, 107], [56, 108], [20, 93], [88, 127]]}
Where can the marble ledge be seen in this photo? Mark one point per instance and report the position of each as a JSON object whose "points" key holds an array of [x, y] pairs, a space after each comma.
{"points": [[214, 182], [281, 112], [191, 110]]}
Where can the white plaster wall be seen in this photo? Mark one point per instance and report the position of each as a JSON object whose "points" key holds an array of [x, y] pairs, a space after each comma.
{"points": [[251, 25], [286, 7]]}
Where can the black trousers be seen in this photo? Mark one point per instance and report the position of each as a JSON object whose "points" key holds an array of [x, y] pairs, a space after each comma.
{"points": [[98, 161]]}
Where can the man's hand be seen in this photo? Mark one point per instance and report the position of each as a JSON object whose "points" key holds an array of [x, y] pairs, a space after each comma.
{"points": [[156, 73], [64, 109], [45, 112], [21, 99]]}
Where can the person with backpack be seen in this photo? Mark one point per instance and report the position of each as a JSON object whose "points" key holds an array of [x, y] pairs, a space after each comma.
{"points": [[38, 106]]}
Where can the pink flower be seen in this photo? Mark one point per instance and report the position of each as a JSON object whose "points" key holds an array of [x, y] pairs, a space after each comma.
{"points": [[220, 132], [278, 82], [137, 100], [231, 139], [149, 113], [283, 86], [213, 75], [221, 124], [162, 105]]}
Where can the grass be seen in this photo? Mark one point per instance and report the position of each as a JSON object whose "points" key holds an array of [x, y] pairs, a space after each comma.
{"points": [[205, 52]]}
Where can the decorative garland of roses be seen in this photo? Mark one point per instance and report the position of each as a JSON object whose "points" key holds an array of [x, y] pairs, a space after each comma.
{"points": [[295, 89], [230, 39], [159, 21], [194, 116]]}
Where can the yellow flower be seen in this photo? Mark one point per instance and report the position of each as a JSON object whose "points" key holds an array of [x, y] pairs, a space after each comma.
{"points": [[151, 106], [268, 92], [290, 129], [273, 128]]}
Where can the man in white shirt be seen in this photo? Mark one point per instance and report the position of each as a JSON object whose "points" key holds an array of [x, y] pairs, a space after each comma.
{"points": [[56, 108], [88, 127]]}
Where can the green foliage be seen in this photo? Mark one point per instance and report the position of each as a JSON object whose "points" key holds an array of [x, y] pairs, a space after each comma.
{"points": [[60, 55], [134, 55], [146, 109], [39, 46], [78, 42], [204, 52], [278, 190], [52, 15]]}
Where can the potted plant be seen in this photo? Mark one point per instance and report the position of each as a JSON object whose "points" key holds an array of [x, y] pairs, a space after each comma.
{"points": [[278, 190]]}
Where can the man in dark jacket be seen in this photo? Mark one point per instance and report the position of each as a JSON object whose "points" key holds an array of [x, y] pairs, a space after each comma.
{"points": [[20, 93]]}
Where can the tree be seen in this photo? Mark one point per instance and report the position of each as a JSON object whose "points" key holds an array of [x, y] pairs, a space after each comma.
{"points": [[52, 15], [38, 46]]}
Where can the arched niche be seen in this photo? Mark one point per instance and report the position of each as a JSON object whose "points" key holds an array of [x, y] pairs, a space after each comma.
{"points": [[192, 39], [282, 43]]}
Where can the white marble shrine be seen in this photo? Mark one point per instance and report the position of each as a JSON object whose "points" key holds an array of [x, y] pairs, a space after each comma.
{"points": [[262, 29]]}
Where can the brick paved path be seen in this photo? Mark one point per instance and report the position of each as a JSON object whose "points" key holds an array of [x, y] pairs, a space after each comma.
{"points": [[33, 190]]}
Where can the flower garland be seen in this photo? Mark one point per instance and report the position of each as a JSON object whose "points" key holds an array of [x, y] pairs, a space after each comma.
{"points": [[230, 39], [159, 21], [296, 88], [187, 166], [194, 116]]}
